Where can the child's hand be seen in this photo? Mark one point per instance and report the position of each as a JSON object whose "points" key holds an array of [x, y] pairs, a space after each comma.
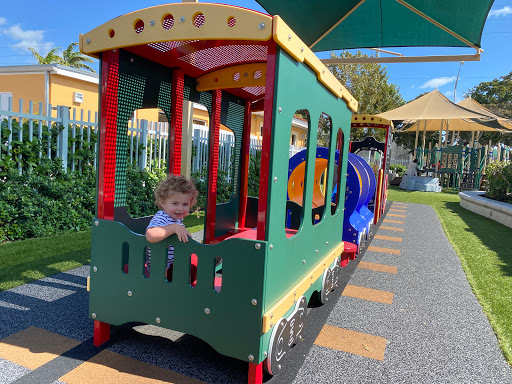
{"points": [[182, 232]]}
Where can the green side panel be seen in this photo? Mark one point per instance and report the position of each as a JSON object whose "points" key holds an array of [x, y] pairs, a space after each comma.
{"points": [[233, 325], [130, 95], [297, 88]]}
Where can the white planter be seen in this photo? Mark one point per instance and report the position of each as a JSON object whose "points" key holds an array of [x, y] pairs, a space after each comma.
{"points": [[495, 210]]}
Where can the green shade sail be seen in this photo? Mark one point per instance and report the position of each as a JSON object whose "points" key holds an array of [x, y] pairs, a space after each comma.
{"points": [[383, 23]]}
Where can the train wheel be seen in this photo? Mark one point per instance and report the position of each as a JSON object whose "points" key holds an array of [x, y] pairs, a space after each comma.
{"points": [[285, 334], [329, 282]]}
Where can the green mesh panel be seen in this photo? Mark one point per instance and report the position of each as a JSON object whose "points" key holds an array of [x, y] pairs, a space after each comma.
{"points": [[164, 98], [130, 97], [232, 116], [190, 93]]}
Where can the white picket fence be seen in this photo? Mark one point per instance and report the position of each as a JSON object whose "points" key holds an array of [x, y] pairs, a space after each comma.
{"points": [[147, 141]]}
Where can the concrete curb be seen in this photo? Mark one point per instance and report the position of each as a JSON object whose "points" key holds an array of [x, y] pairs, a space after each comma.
{"points": [[475, 201]]}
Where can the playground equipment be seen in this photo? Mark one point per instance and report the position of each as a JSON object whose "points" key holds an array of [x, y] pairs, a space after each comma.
{"points": [[361, 187], [254, 275]]}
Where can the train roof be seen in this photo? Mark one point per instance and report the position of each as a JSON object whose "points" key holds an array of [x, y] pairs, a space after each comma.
{"points": [[222, 46]]}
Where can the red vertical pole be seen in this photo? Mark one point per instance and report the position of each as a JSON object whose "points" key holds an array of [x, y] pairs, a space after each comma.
{"points": [[101, 333], [385, 149], [245, 160], [108, 134], [213, 167], [265, 146], [176, 125], [255, 373]]}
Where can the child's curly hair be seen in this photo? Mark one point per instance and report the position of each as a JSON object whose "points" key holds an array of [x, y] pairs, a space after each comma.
{"points": [[175, 184]]}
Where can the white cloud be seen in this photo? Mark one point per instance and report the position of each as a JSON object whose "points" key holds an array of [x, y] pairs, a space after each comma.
{"points": [[3, 20], [506, 10], [437, 82], [448, 93], [27, 38]]}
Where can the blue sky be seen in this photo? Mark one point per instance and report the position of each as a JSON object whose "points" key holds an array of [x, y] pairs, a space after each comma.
{"points": [[43, 26]]}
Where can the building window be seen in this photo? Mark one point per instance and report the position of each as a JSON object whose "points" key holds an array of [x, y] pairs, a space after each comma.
{"points": [[294, 139], [199, 122]]}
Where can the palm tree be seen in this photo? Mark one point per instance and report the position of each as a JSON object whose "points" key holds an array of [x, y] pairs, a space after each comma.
{"points": [[75, 59], [50, 58], [68, 58]]}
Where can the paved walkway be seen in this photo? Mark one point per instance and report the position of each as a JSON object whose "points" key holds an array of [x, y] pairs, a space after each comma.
{"points": [[406, 315]]}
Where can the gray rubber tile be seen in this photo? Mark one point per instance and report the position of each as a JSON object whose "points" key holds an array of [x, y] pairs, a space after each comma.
{"points": [[435, 329]]}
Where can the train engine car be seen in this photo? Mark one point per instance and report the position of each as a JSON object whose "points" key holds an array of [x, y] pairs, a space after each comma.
{"points": [[233, 61]]}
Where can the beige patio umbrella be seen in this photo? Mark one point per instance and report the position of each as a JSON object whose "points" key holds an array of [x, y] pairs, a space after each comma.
{"points": [[432, 106]]}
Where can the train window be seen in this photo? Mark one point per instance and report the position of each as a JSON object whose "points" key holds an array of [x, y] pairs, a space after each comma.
{"points": [[320, 200], [225, 176], [296, 171], [146, 267], [217, 278], [193, 270], [147, 148], [337, 172], [126, 257]]}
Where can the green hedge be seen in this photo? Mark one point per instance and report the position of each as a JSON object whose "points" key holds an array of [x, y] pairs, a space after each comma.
{"points": [[48, 201], [499, 181], [398, 168]]}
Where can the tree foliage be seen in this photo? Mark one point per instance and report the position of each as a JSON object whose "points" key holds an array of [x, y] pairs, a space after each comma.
{"points": [[495, 95], [369, 84], [69, 58]]}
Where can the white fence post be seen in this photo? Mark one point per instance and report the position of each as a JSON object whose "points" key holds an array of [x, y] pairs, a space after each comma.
{"points": [[143, 159], [63, 137]]}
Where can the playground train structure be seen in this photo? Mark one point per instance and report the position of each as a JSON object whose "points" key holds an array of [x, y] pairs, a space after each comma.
{"points": [[245, 288]]}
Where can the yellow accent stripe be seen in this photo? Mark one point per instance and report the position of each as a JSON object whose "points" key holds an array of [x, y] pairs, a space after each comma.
{"points": [[378, 267], [283, 305], [368, 294], [250, 25], [395, 215], [390, 238], [237, 76], [110, 367], [357, 343], [291, 43], [88, 283], [393, 221], [34, 347], [384, 250]]}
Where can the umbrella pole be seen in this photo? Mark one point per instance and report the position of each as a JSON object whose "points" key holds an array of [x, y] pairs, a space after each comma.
{"points": [[416, 140], [423, 146], [438, 153], [447, 133]]}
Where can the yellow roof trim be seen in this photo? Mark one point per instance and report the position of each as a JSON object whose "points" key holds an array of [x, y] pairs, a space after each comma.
{"points": [[291, 43], [370, 120], [236, 76], [271, 317], [120, 32]]}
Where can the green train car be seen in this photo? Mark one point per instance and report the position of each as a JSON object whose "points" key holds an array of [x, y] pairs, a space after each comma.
{"points": [[255, 276]]}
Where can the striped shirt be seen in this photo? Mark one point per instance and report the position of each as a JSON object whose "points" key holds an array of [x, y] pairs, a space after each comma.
{"points": [[161, 219]]}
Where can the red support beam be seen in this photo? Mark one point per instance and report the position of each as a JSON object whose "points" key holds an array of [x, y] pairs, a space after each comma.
{"points": [[101, 333], [245, 160], [108, 134], [255, 373], [213, 167], [176, 124], [265, 146]]}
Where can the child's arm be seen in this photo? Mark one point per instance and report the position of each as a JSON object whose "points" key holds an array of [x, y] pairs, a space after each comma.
{"points": [[156, 234]]}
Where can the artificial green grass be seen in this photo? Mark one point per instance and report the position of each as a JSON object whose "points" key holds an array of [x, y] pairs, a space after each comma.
{"points": [[27, 260], [485, 251]]}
